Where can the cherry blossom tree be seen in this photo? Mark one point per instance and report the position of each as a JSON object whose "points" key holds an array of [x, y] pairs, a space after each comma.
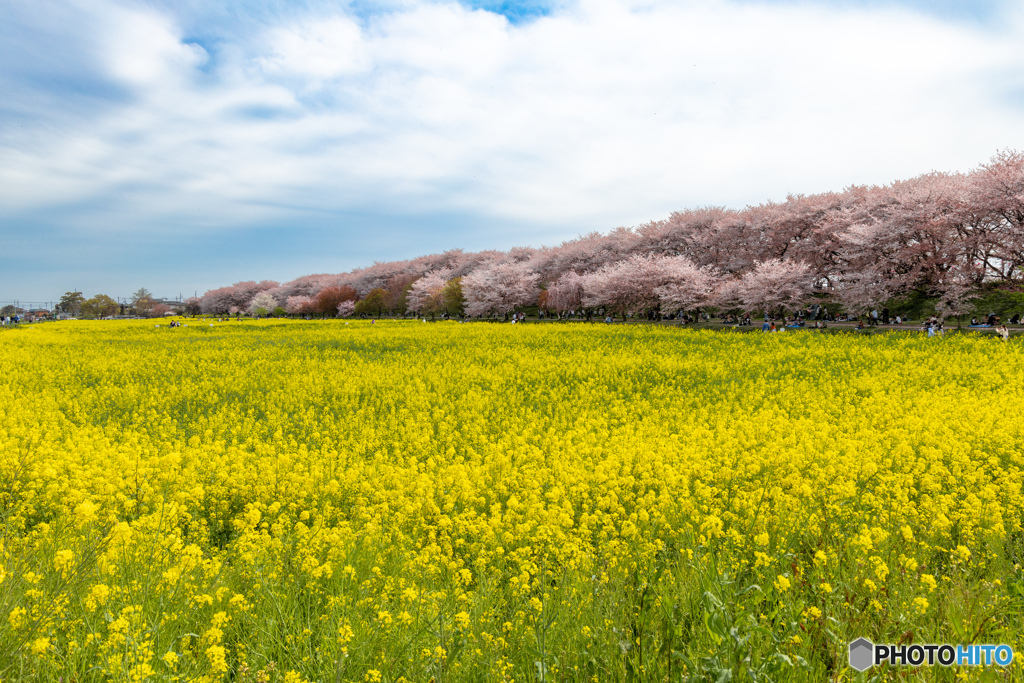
{"points": [[218, 301], [957, 299], [585, 254], [377, 276], [859, 292], [308, 285], [686, 287], [193, 305], [264, 301], [426, 293], [565, 293], [908, 236], [467, 263], [775, 285], [499, 287], [710, 236], [726, 294], [628, 286], [996, 204], [301, 305], [237, 296], [346, 309]]}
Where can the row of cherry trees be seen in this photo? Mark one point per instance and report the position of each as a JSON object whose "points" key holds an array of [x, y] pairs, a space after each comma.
{"points": [[940, 235]]}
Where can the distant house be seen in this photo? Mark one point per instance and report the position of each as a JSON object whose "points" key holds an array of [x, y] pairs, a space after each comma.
{"points": [[37, 314]]}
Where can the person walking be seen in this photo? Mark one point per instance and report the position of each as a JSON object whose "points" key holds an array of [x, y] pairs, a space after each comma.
{"points": [[1003, 333]]}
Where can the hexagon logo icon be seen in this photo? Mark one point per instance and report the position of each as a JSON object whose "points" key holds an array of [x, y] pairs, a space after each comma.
{"points": [[862, 654]]}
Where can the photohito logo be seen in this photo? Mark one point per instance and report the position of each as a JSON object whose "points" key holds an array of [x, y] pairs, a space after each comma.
{"points": [[864, 654]]}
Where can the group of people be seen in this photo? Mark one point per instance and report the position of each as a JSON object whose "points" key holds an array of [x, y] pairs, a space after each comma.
{"points": [[933, 326], [884, 317], [992, 320]]}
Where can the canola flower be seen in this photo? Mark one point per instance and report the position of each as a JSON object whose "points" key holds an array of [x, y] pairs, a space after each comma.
{"points": [[323, 501]]}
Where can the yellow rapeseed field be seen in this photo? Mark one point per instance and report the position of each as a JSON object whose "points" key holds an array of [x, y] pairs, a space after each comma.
{"points": [[330, 501]]}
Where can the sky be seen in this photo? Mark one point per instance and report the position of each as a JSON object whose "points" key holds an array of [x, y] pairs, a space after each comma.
{"points": [[182, 145]]}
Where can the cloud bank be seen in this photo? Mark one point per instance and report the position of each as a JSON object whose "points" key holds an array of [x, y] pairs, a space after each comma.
{"points": [[143, 123]]}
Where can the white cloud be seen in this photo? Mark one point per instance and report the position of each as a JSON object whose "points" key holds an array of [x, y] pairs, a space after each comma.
{"points": [[314, 51], [145, 50], [603, 113]]}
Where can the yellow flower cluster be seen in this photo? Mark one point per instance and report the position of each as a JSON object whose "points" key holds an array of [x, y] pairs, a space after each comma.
{"points": [[290, 500]]}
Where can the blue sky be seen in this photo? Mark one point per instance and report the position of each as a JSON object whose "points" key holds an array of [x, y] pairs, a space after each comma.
{"points": [[183, 145]]}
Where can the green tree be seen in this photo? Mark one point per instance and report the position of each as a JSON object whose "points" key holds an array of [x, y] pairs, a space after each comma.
{"points": [[433, 305], [142, 301], [374, 303], [398, 293], [71, 303], [452, 301], [100, 306]]}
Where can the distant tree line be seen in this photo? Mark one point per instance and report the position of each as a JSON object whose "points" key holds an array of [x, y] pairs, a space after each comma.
{"points": [[948, 237], [141, 304]]}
